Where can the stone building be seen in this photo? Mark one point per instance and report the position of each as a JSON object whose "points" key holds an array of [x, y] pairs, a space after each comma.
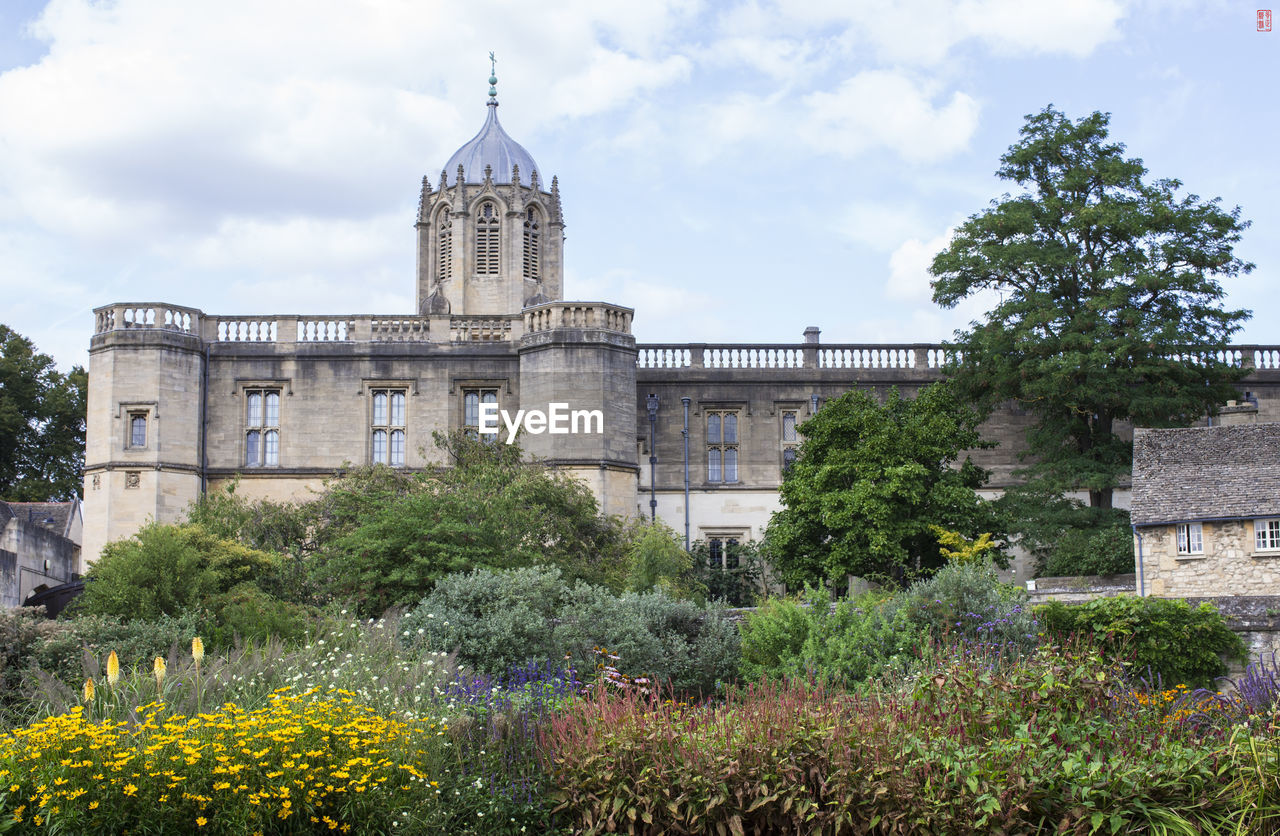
{"points": [[182, 401], [1206, 510], [39, 547]]}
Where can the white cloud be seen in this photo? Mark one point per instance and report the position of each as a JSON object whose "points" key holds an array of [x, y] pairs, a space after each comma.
{"points": [[883, 109], [909, 284], [882, 226]]}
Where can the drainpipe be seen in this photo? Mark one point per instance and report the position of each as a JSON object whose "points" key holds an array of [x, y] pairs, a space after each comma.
{"points": [[204, 422], [652, 403], [685, 433], [1141, 584]]}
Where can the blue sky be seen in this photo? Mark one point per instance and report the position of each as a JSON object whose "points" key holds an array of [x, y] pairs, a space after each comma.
{"points": [[735, 171]]}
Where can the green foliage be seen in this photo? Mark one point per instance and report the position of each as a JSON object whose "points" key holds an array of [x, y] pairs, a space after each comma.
{"points": [[844, 644], [1052, 742], [261, 524], [1163, 640], [497, 621], [870, 480], [1106, 283], [968, 601], [957, 548], [391, 545], [655, 560], [166, 570], [737, 577], [42, 419], [1067, 537]]}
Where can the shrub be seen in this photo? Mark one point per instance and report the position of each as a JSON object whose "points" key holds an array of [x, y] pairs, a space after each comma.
{"points": [[969, 601], [656, 561], [166, 570], [845, 644], [499, 620], [1164, 640], [1043, 743]]}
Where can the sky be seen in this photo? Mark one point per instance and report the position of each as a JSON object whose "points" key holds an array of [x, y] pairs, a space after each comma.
{"points": [[734, 171]]}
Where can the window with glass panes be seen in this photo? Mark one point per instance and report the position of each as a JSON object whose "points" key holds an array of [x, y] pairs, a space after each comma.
{"points": [[1266, 534], [722, 445], [137, 429], [722, 552], [790, 438], [1191, 538], [388, 427], [262, 428], [471, 400]]}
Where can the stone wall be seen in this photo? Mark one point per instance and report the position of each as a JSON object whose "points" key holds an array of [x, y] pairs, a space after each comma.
{"points": [[32, 556], [1077, 590], [1229, 564]]}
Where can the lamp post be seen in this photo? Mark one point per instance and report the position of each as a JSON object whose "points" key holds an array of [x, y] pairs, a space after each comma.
{"points": [[685, 433], [652, 403]]}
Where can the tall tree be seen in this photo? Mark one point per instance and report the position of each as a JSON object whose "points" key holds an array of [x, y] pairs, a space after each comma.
{"points": [[42, 416], [1111, 307], [871, 479]]}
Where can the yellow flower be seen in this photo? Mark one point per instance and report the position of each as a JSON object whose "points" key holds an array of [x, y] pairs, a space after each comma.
{"points": [[201, 821], [197, 650], [159, 670], [88, 690], [113, 669], [130, 789]]}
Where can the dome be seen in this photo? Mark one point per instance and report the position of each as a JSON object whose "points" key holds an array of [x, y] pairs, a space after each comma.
{"points": [[492, 147]]}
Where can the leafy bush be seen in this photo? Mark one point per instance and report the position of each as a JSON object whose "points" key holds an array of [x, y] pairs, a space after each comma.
{"points": [[656, 561], [499, 620], [168, 569], [1165, 640], [808, 638], [1045, 743], [1107, 550], [968, 600], [489, 510]]}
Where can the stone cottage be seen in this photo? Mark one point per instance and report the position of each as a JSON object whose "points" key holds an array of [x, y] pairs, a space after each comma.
{"points": [[1206, 511]]}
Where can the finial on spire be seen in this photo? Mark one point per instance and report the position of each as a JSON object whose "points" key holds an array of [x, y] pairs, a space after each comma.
{"points": [[493, 79]]}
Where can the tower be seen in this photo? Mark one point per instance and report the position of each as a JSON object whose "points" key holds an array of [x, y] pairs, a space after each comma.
{"points": [[491, 236]]}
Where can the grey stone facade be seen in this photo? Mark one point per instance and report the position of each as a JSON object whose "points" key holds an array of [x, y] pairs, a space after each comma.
{"points": [[39, 547], [181, 401]]}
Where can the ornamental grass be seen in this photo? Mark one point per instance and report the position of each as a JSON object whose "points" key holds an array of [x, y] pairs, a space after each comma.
{"points": [[306, 762]]}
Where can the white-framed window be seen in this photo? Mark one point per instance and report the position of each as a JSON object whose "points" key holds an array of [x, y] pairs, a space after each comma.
{"points": [[471, 400], [722, 552], [487, 239], [790, 438], [1191, 538], [137, 438], [532, 236], [262, 428], [1266, 534], [388, 427], [722, 445]]}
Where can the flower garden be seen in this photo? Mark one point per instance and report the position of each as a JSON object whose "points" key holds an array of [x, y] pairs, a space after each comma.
{"points": [[947, 708]]}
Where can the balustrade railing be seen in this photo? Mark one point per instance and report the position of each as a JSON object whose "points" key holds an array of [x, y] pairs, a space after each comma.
{"points": [[154, 315], [552, 315], [577, 315], [479, 329]]}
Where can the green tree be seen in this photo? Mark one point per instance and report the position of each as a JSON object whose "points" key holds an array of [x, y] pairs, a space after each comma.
{"points": [[869, 481], [42, 415], [1111, 309], [655, 560], [169, 570], [490, 510]]}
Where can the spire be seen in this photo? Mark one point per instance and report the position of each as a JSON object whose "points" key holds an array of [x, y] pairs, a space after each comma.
{"points": [[493, 80]]}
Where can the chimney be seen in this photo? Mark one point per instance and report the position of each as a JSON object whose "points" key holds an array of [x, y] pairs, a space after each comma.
{"points": [[811, 335]]}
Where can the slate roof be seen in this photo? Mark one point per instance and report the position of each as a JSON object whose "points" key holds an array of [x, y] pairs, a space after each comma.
{"points": [[38, 512], [1206, 473]]}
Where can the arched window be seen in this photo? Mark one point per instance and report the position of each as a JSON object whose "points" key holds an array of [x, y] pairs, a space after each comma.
{"points": [[444, 246], [487, 239], [532, 254]]}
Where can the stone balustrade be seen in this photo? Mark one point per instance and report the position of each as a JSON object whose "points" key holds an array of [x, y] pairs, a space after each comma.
{"points": [[602, 315], [553, 315]]}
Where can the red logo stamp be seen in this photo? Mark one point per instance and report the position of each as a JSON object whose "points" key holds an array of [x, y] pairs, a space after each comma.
{"points": [[1264, 20]]}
